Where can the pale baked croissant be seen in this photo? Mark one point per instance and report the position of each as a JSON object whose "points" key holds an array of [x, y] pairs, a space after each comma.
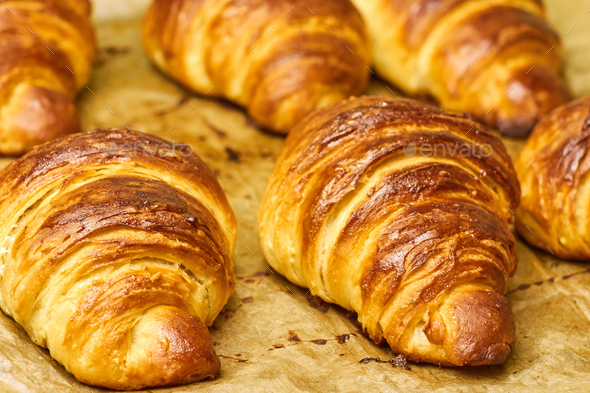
{"points": [[418, 246], [497, 59], [553, 168], [116, 255], [47, 49], [281, 59]]}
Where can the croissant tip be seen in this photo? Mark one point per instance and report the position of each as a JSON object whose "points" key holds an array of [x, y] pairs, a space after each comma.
{"points": [[42, 115], [482, 328], [169, 348], [531, 94], [181, 348]]}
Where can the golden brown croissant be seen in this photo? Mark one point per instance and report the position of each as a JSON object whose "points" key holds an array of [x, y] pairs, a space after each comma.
{"points": [[47, 49], [281, 59], [553, 169], [116, 253], [418, 245], [497, 59]]}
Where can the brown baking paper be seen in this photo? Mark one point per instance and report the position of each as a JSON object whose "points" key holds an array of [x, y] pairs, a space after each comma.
{"points": [[269, 336]]}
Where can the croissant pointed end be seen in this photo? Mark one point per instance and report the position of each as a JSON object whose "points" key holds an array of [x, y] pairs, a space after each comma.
{"points": [[168, 347], [480, 328], [531, 93], [41, 115], [178, 346]]}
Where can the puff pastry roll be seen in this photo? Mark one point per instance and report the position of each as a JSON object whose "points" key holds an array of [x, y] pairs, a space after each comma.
{"points": [[116, 255], [281, 59], [360, 210], [553, 169], [496, 59], [47, 49]]}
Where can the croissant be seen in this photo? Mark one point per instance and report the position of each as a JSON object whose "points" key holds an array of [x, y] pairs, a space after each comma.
{"points": [[47, 49], [498, 60], [399, 211], [281, 59], [116, 254], [553, 168]]}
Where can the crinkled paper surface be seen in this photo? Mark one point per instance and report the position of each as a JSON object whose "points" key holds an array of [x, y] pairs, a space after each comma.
{"points": [[269, 336]]}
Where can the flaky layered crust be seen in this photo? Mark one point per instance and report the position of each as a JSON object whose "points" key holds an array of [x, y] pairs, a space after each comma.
{"points": [[47, 49], [553, 169], [116, 261], [418, 246], [281, 59], [498, 60]]}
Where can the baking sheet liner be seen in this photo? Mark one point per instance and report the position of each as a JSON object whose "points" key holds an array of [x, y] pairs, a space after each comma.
{"points": [[270, 336]]}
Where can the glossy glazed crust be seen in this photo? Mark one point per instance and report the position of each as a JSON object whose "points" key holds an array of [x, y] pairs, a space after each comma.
{"points": [[418, 246], [47, 49], [117, 261], [498, 60], [280, 59], [553, 169]]}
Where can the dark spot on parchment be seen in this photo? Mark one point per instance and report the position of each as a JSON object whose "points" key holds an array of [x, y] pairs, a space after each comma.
{"points": [[166, 111], [278, 346], [398, 361], [116, 50], [254, 275], [319, 341], [247, 299], [232, 155], [229, 314], [318, 303], [343, 338], [237, 360], [551, 280], [215, 129], [253, 278], [293, 337], [369, 360]]}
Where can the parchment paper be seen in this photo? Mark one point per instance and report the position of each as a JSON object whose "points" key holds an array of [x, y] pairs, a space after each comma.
{"points": [[269, 336]]}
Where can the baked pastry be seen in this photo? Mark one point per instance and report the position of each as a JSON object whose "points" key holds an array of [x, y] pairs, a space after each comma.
{"points": [[361, 210], [553, 168], [498, 60], [281, 59], [116, 255], [47, 49]]}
